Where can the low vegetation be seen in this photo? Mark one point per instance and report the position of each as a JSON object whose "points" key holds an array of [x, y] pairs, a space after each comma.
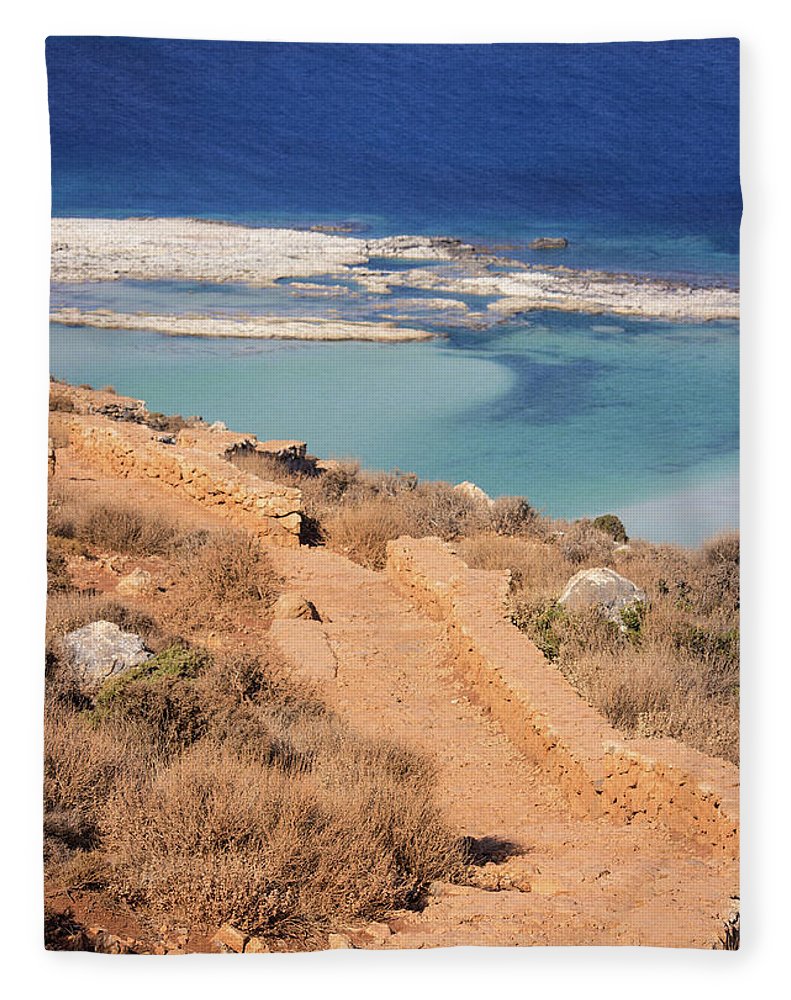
{"points": [[672, 666], [670, 670], [208, 787], [190, 795]]}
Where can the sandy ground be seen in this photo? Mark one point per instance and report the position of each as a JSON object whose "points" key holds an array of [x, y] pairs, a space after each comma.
{"points": [[545, 877]]}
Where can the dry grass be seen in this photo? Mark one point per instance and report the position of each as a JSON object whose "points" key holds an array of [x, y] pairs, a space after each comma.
{"points": [[125, 528], [214, 836], [357, 512], [110, 527], [675, 671], [583, 544], [221, 791], [537, 568], [82, 765], [222, 572], [362, 531], [267, 467], [656, 689]]}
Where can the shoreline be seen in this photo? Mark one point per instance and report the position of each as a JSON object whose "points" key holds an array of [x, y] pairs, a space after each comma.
{"points": [[104, 250], [251, 328], [702, 509]]}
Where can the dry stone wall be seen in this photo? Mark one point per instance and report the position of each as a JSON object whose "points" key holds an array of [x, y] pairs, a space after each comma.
{"points": [[194, 464], [601, 772]]}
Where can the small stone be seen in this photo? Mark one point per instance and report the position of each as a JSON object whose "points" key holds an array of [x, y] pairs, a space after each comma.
{"points": [[292, 605], [256, 945], [378, 930], [336, 941], [231, 938]]}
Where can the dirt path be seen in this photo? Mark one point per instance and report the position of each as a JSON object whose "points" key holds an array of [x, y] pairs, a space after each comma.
{"points": [[589, 881], [545, 877]]}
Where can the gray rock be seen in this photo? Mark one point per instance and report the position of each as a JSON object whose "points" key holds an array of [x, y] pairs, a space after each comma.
{"points": [[101, 650], [474, 493], [549, 243], [601, 587]]}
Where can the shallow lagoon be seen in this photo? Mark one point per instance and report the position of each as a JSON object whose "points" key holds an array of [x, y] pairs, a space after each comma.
{"points": [[581, 414]]}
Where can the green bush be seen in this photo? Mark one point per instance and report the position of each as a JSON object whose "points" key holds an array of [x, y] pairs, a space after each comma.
{"points": [[160, 698], [633, 619], [540, 621], [611, 525]]}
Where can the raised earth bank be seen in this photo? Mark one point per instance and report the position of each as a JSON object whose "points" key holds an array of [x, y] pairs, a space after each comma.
{"points": [[600, 772]]}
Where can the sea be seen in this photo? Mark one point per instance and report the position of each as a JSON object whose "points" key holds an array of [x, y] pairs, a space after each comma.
{"points": [[629, 150]]}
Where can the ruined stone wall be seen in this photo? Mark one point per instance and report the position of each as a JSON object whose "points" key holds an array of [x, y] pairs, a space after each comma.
{"points": [[193, 464], [601, 772]]}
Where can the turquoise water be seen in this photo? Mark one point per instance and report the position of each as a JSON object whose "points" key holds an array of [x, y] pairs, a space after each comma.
{"points": [[631, 151], [583, 415]]}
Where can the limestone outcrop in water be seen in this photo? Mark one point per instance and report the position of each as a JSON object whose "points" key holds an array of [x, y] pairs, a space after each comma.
{"points": [[90, 250]]}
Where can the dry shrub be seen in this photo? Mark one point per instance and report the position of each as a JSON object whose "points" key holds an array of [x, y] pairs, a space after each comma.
{"points": [[63, 933], [334, 483], [438, 509], [537, 568], [58, 578], [62, 512], [720, 573], [159, 700], [168, 423], [60, 401], [272, 814], [216, 837], [267, 467], [513, 516], [125, 528], [584, 544], [653, 689], [227, 567], [81, 767], [362, 531]]}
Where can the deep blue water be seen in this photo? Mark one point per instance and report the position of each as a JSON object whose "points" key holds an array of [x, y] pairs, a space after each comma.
{"points": [[630, 150]]}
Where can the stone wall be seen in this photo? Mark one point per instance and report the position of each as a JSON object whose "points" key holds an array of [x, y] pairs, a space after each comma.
{"points": [[194, 464], [601, 772]]}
